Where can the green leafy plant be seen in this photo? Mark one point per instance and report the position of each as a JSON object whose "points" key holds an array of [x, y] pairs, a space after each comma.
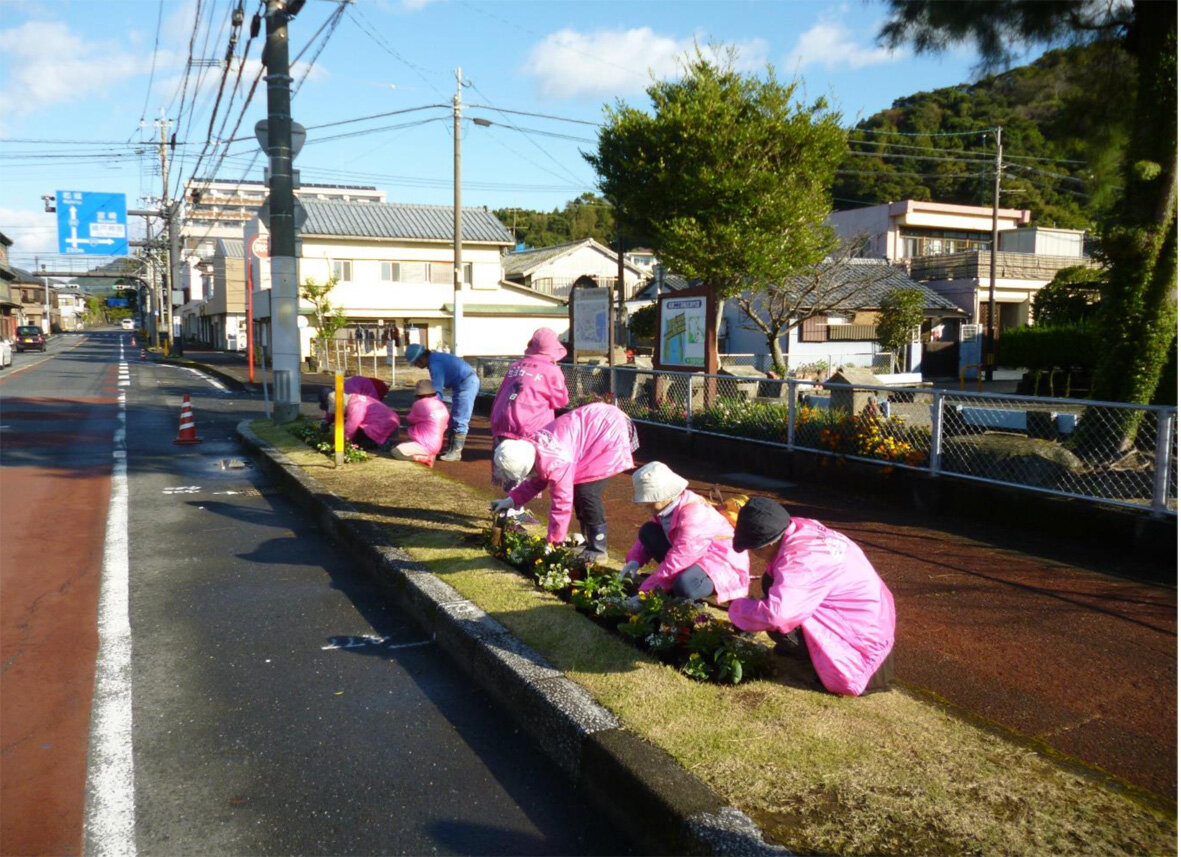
{"points": [[319, 436]]}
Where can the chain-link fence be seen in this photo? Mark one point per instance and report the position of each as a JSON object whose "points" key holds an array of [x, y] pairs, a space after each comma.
{"points": [[1113, 453]]}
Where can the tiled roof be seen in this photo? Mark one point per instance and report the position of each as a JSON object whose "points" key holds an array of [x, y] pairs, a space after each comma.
{"points": [[231, 248], [26, 278], [400, 221], [523, 260], [672, 283], [866, 282]]}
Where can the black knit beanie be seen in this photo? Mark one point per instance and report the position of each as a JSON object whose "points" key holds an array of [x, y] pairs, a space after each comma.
{"points": [[760, 522]]}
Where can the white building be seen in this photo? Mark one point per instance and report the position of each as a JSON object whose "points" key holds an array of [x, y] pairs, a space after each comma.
{"points": [[394, 269], [554, 270]]}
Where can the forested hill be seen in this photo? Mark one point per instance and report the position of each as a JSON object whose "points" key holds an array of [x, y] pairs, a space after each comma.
{"points": [[1065, 119]]}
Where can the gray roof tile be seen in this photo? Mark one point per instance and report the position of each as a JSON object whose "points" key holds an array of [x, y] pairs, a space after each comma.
{"points": [[399, 221]]}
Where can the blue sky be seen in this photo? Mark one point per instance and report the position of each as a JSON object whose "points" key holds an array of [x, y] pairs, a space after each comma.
{"points": [[79, 70]]}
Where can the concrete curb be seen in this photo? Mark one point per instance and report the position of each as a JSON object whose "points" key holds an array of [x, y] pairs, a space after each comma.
{"points": [[643, 790], [226, 378]]}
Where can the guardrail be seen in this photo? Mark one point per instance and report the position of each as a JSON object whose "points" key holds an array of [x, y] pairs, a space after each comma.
{"points": [[1065, 447]]}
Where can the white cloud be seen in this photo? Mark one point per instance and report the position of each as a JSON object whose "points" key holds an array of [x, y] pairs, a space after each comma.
{"points": [[30, 231], [73, 69], [415, 5], [617, 62], [833, 45]]}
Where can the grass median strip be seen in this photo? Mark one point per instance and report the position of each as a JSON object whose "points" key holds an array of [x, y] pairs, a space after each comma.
{"points": [[888, 773]]}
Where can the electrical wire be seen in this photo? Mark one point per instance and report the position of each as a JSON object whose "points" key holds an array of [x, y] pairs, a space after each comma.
{"points": [[152, 73], [365, 27], [979, 132], [535, 115]]}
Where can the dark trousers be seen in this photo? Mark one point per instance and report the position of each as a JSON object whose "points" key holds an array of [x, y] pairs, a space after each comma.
{"points": [[692, 582], [588, 504]]}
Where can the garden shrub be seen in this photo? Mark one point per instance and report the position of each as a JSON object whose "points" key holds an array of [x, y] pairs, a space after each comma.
{"points": [[676, 631]]}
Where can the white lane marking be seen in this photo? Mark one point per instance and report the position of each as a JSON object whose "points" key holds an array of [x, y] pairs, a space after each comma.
{"points": [[380, 642], [183, 489], [216, 383], [109, 824]]}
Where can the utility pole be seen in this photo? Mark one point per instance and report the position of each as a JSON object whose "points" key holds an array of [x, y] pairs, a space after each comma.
{"points": [[990, 343], [170, 210], [457, 300], [285, 345]]}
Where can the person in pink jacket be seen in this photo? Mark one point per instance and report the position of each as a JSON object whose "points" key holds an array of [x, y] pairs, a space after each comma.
{"points": [[820, 583], [367, 422], [688, 537], [426, 426], [373, 387], [573, 457], [532, 389]]}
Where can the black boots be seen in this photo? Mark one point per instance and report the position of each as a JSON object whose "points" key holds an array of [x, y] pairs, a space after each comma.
{"points": [[455, 450], [596, 543]]}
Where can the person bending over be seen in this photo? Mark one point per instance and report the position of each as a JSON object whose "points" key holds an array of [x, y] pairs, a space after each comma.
{"points": [[367, 422], [426, 424], [449, 372], [573, 457]]}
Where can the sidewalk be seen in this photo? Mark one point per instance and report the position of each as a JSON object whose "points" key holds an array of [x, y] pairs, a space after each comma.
{"points": [[1039, 636]]}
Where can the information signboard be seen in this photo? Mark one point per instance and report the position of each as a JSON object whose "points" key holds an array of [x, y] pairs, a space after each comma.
{"points": [[682, 331], [91, 224], [591, 307]]}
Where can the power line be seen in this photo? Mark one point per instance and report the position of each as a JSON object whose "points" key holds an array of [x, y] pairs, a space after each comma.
{"points": [[151, 74], [980, 132], [365, 27], [919, 157], [537, 131], [536, 115]]}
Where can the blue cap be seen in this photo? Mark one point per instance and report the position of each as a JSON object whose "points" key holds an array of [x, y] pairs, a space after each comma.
{"points": [[414, 351]]}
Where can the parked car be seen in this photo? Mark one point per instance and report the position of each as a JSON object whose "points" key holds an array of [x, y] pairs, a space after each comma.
{"points": [[128, 324], [29, 338], [5, 353]]}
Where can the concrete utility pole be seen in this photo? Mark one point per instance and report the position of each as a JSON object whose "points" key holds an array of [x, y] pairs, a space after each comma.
{"points": [[170, 208], [457, 305], [285, 349], [990, 344]]}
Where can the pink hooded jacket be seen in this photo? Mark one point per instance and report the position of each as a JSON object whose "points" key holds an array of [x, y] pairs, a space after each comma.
{"points": [[533, 387], [585, 445], [822, 583], [375, 388], [427, 423], [698, 534], [370, 416]]}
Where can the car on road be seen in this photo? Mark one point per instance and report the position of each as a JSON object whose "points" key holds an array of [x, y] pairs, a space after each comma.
{"points": [[128, 324], [29, 338], [5, 353]]}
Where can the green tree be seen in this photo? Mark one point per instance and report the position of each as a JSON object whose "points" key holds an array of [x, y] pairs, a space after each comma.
{"points": [[326, 318], [642, 323], [1071, 297], [726, 177], [900, 315], [1139, 237]]}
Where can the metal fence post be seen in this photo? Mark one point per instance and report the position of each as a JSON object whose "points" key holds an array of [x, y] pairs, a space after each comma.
{"points": [[936, 432], [611, 381], [1164, 443], [689, 403], [791, 414]]}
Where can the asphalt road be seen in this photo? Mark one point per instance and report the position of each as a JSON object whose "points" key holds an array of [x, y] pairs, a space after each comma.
{"points": [[272, 700]]}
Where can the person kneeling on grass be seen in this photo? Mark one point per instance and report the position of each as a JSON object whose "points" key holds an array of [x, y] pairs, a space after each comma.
{"points": [[690, 539], [367, 422], [573, 457], [426, 424], [821, 584], [375, 388]]}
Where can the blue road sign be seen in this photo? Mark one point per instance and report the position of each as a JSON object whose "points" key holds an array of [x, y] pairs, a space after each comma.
{"points": [[91, 224]]}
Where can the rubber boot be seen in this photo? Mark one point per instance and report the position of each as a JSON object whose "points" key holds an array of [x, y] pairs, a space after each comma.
{"points": [[454, 452], [596, 543]]}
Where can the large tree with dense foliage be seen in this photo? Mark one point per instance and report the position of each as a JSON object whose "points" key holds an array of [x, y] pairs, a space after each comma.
{"points": [[726, 177], [588, 216], [1139, 238]]}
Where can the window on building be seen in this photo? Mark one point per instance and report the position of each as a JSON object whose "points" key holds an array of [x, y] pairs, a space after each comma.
{"points": [[342, 270], [814, 329], [390, 272], [413, 272], [441, 273], [939, 242]]}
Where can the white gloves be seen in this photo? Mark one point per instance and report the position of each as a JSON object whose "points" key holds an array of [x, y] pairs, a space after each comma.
{"points": [[629, 570], [498, 506]]}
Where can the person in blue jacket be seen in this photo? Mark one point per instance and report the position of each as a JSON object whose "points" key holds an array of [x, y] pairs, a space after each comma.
{"points": [[457, 375]]}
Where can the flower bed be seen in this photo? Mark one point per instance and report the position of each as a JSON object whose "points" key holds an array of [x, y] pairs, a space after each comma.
{"points": [[318, 434], [868, 434], [676, 631]]}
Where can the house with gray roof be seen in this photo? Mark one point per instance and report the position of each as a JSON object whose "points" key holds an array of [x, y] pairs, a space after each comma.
{"points": [[852, 291], [393, 267], [555, 269]]}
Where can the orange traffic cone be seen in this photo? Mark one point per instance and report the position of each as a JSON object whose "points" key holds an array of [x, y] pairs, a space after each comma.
{"points": [[133, 341], [188, 428], [143, 355]]}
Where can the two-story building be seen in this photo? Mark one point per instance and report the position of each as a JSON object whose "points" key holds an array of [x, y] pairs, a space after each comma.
{"points": [[948, 247], [68, 308], [9, 307], [555, 269], [394, 268]]}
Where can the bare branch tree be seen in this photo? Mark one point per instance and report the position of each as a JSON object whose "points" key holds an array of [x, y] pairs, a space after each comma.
{"points": [[842, 282]]}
